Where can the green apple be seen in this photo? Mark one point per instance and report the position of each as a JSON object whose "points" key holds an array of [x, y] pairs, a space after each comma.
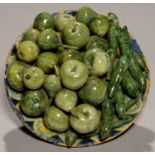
{"points": [[86, 15], [46, 61], [66, 100], [62, 19], [100, 26], [34, 102], [70, 54], [28, 51], [73, 74], [44, 20], [48, 39], [94, 91], [14, 74], [75, 34], [52, 85], [31, 34], [97, 61], [33, 77], [85, 118], [56, 120]]}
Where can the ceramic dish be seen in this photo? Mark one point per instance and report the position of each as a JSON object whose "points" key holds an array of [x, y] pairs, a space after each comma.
{"points": [[36, 126]]}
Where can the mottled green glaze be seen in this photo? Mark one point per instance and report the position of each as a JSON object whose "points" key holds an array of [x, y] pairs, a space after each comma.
{"points": [[124, 41], [97, 61], [85, 118], [137, 73], [62, 19], [46, 61], [34, 103], [140, 61], [66, 100], [76, 34], [117, 75], [33, 77], [134, 67], [14, 74], [97, 42], [106, 120], [130, 85], [113, 50], [119, 103], [28, 51], [113, 37], [43, 21], [52, 85], [56, 120], [86, 15], [74, 74], [69, 54], [48, 40], [94, 91], [31, 34], [99, 26], [117, 123]]}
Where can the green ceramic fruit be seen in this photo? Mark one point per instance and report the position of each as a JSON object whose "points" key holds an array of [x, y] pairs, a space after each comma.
{"points": [[100, 26], [97, 61], [69, 54], [73, 74], [33, 77], [34, 103], [62, 19], [76, 34], [52, 85], [66, 100], [46, 61], [31, 34], [94, 91], [56, 120], [85, 118], [48, 40], [28, 51], [14, 74], [44, 21], [97, 42], [86, 15]]}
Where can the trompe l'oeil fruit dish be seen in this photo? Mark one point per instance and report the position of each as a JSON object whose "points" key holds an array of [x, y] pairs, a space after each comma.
{"points": [[77, 78]]}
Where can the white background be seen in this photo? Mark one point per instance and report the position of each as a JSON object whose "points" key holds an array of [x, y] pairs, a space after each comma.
{"points": [[140, 18]]}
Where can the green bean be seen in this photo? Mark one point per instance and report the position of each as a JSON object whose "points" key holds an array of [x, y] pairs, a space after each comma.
{"points": [[140, 61], [106, 120], [117, 75], [112, 17], [119, 103], [130, 85], [120, 122], [113, 44], [137, 73], [124, 41]]}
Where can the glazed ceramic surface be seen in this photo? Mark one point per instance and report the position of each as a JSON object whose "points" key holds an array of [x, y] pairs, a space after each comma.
{"points": [[36, 126]]}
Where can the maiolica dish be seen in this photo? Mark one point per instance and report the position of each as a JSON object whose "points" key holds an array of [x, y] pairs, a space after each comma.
{"points": [[36, 126]]}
